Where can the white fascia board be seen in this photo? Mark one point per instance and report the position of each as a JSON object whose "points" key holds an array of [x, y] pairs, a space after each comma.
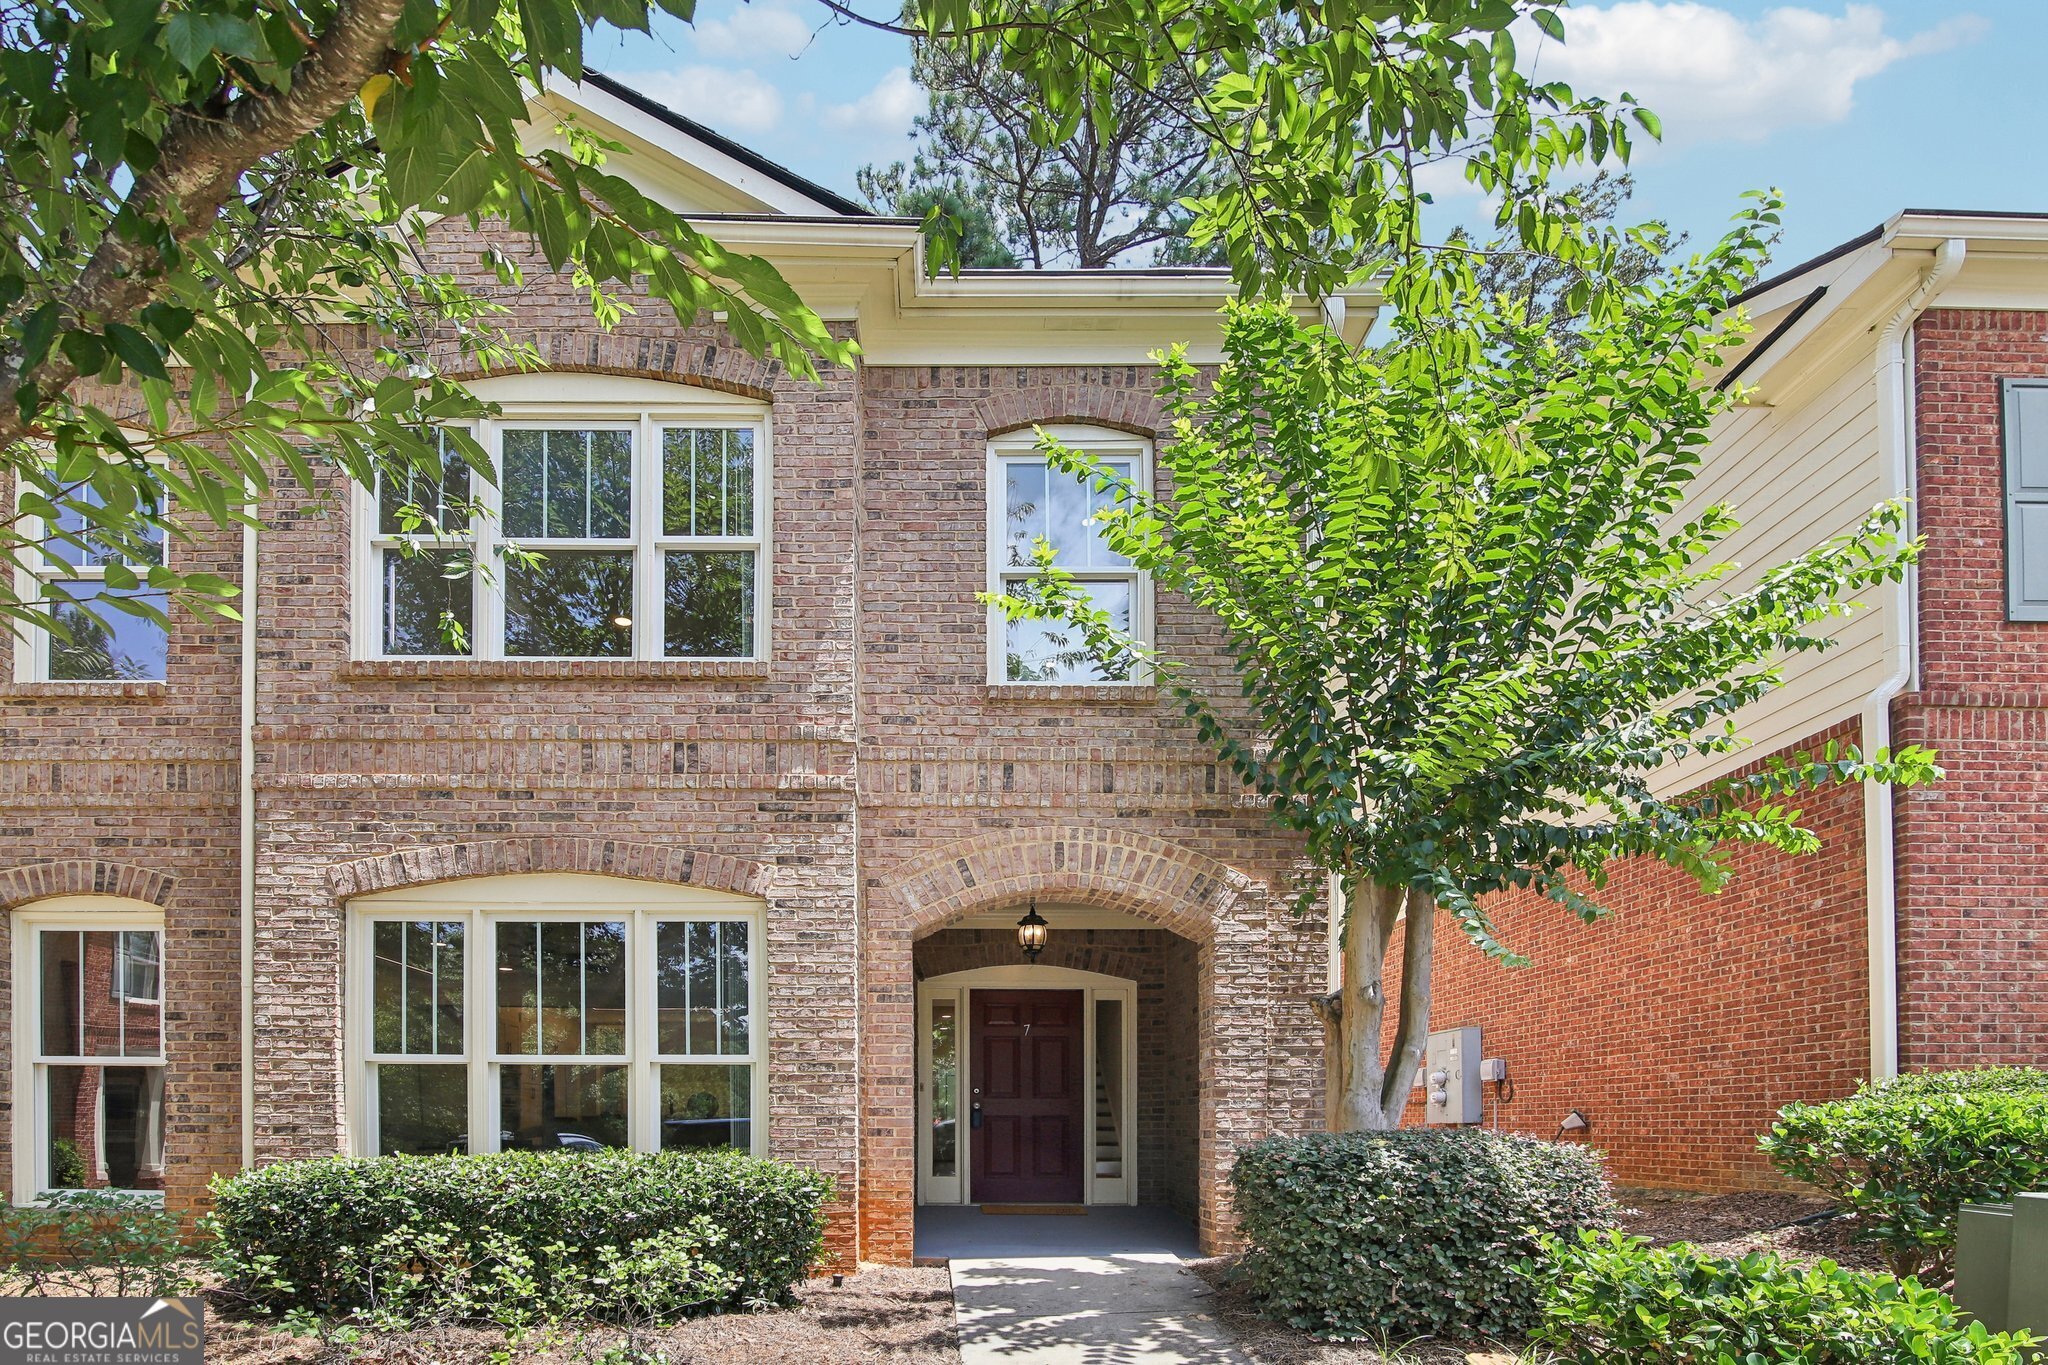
{"points": [[660, 138], [1983, 231]]}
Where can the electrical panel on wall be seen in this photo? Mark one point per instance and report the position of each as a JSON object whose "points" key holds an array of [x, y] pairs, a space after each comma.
{"points": [[1450, 1076]]}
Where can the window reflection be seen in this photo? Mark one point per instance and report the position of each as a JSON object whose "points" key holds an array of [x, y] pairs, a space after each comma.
{"points": [[550, 1108], [562, 987], [99, 993], [422, 1110], [945, 1088], [106, 1128], [706, 1106], [700, 972]]}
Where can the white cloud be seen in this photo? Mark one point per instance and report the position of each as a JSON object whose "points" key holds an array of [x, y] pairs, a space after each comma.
{"points": [[753, 33], [886, 109], [1714, 76], [727, 99]]}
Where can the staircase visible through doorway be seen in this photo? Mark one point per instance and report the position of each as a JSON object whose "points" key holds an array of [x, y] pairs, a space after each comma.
{"points": [[1109, 1149]]}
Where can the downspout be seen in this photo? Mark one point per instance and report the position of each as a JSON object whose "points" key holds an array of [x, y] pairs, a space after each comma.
{"points": [[1896, 456], [248, 839]]}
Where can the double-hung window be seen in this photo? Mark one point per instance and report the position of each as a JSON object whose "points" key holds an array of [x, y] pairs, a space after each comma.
{"points": [[90, 1047], [589, 1015], [613, 532], [1031, 501], [90, 583], [420, 551]]}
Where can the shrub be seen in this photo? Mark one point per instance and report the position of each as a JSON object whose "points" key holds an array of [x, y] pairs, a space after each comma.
{"points": [[519, 1236], [1610, 1297], [96, 1242], [1903, 1156], [1409, 1233]]}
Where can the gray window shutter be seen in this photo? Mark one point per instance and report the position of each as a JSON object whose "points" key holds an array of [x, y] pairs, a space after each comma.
{"points": [[2026, 499]]}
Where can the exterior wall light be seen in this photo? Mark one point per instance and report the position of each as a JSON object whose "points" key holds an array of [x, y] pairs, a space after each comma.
{"points": [[1031, 933]]}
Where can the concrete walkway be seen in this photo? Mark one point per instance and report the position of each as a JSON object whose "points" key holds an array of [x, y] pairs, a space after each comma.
{"points": [[1107, 1288], [1129, 1308]]}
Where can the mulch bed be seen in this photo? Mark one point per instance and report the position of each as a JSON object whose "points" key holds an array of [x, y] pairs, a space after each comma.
{"points": [[880, 1314], [1737, 1224]]}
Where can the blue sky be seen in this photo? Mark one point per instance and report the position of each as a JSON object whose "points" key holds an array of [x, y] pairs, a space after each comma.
{"points": [[1855, 110]]}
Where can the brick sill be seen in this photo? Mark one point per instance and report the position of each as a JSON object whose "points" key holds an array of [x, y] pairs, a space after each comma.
{"points": [[563, 670], [1126, 694], [147, 693]]}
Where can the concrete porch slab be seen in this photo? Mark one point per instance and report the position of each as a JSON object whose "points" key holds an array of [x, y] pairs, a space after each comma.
{"points": [[944, 1232]]}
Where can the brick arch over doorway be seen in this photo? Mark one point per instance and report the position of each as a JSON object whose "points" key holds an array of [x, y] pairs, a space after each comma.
{"points": [[1140, 874], [1258, 1053]]}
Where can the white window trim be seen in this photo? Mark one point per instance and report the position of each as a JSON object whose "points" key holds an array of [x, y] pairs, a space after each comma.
{"points": [[1019, 446], [558, 897], [32, 642], [679, 406], [121, 979], [92, 914]]}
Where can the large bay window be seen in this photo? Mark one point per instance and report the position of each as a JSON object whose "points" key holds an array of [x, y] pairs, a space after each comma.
{"points": [[619, 528], [89, 1047], [1031, 501], [556, 1013]]}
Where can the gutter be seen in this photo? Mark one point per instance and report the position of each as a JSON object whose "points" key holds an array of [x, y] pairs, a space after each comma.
{"points": [[1895, 453], [247, 809]]}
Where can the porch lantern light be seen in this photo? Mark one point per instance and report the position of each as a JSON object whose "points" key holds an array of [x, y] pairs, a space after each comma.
{"points": [[1031, 933]]}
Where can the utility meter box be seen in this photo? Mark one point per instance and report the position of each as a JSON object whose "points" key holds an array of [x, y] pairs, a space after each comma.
{"points": [[1450, 1076]]}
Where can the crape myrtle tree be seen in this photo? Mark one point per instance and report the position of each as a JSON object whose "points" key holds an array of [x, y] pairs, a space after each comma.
{"points": [[213, 269], [1473, 609]]}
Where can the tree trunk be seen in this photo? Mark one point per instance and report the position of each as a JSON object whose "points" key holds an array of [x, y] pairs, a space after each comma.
{"points": [[1366, 1093]]}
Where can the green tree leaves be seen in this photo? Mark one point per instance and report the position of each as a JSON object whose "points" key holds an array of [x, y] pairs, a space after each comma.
{"points": [[1468, 624], [198, 198]]}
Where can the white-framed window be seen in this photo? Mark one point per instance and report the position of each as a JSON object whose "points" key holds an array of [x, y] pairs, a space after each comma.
{"points": [[1030, 500], [556, 1012], [629, 521], [138, 967], [88, 582], [89, 1047]]}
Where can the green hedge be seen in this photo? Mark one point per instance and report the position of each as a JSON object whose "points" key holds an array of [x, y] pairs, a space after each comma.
{"points": [[1409, 1233], [1609, 1297], [520, 1235], [1903, 1156]]}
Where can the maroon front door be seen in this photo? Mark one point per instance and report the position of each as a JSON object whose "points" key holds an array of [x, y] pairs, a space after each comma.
{"points": [[1027, 1104]]}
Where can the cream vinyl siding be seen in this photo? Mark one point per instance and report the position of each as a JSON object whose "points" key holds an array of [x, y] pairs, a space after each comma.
{"points": [[1794, 478]]}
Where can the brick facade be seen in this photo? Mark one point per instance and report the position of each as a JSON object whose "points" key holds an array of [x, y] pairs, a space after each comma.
{"points": [[1683, 1021], [864, 781], [1973, 857]]}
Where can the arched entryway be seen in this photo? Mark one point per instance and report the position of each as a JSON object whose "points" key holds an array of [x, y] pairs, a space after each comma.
{"points": [[1247, 1068], [1071, 1080]]}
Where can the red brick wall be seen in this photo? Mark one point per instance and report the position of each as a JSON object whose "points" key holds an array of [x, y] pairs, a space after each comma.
{"points": [[1683, 1021], [1973, 849], [129, 789]]}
